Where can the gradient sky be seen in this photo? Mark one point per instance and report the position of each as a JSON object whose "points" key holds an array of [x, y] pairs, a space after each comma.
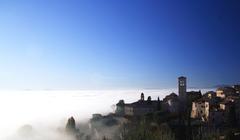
{"points": [[118, 44]]}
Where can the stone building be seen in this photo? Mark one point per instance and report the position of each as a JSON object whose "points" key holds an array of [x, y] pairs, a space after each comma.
{"points": [[186, 97], [142, 107], [193, 96], [237, 88], [223, 92], [237, 107], [120, 108], [171, 103], [210, 95], [200, 109], [138, 108], [218, 108], [225, 105]]}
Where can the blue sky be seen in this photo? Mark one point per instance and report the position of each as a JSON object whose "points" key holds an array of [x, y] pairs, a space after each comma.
{"points": [[118, 44]]}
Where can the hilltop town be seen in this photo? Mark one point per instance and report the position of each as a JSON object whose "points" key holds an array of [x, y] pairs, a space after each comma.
{"points": [[212, 107], [188, 115]]}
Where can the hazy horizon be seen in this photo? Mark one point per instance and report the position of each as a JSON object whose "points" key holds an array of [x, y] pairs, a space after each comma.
{"points": [[49, 110]]}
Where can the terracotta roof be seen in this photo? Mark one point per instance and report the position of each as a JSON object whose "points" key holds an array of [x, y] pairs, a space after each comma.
{"points": [[226, 88], [171, 96], [226, 102], [233, 98], [143, 104], [203, 99]]}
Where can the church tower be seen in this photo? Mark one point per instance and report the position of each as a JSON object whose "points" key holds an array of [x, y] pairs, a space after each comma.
{"points": [[142, 97], [182, 88]]}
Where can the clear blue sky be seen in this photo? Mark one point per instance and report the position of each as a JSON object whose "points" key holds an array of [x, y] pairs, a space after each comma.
{"points": [[115, 44]]}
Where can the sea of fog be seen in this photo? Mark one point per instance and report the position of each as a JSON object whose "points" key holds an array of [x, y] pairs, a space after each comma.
{"points": [[47, 111]]}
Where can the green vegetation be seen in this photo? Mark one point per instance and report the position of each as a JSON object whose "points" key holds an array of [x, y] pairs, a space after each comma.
{"points": [[144, 131], [167, 126]]}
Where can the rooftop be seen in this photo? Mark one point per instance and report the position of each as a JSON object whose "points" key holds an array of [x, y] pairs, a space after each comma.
{"points": [[143, 104]]}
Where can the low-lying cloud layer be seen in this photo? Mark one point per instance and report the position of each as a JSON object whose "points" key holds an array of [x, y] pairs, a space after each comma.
{"points": [[38, 115]]}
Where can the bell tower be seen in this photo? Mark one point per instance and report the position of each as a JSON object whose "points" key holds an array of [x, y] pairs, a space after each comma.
{"points": [[142, 96], [182, 87]]}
